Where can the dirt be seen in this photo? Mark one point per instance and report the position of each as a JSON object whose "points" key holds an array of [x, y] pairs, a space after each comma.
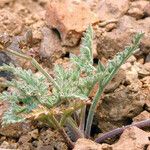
{"points": [[127, 97]]}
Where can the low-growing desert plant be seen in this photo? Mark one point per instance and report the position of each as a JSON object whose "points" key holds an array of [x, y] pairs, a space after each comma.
{"points": [[60, 101]]}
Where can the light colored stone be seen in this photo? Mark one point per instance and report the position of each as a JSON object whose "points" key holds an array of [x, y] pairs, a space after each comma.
{"points": [[109, 43], [4, 2], [147, 10], [132, 139], [34, 134], [10, 22], [142, 116], [109, 9], [137, 9], [86, 144], [123, 103], [51, 48], [70, 18]]}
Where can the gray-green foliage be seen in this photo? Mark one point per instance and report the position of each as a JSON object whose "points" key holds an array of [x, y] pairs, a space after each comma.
{"points": [[30, 90]]}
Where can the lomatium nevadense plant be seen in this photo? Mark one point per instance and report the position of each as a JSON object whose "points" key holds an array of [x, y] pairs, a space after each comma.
{"points": [[61, 100]]}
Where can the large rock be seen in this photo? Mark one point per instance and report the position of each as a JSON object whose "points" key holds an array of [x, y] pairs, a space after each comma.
{"points": [[123, 104], [86, 144], [70, 18], [109, 43], [137, 9], [110, 9], [132, 139]]}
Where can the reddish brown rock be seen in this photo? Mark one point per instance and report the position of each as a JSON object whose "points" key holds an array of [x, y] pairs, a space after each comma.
{"points": [[70, 18], [110, 9], [132, 139]]}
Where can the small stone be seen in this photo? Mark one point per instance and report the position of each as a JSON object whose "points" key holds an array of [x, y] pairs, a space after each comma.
{"points": [[131, 75], [146, 82], [37, 36], [110, 27], [131, 59], [143, 70], [142, 116], [115, 82], [71, 21], [5, 145], [147, 58], [34, 134]]}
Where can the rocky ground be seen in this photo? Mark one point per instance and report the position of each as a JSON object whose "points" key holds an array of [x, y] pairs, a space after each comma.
{"points": [[52, 31]]}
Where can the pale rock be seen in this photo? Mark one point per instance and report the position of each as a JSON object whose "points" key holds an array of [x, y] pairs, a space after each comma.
{"points": [[50, 48], [110, 9], [142, 70], [110, 43], [142, 116], [137, 9], [5, 145], [4, 2], [86, 144], [71, 21], [132, 139], [10, 22], [123, 103], [147, 10], [34, 134]]}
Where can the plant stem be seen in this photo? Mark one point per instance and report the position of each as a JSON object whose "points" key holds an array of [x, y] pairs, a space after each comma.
{"points": [[62, 132], [68, 112], [83, 112], [92, 111], [35, 64], [119, 131], [104, 84], [82, 119], [75, 132]]}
